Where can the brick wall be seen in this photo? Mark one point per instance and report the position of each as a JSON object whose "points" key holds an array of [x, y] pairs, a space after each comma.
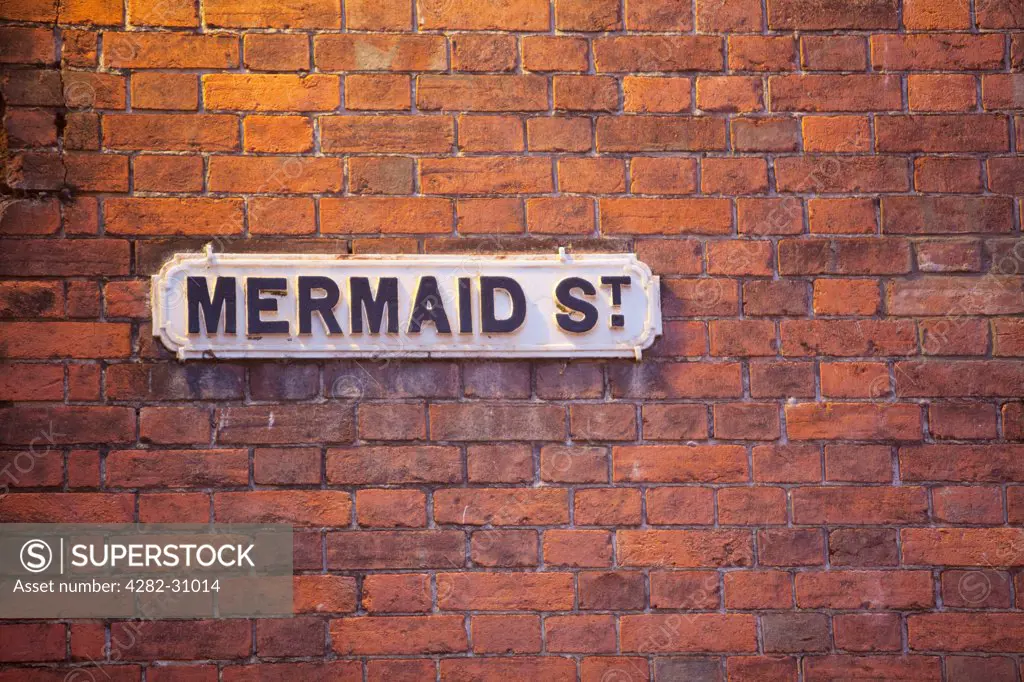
{"points": [[816, 474]]}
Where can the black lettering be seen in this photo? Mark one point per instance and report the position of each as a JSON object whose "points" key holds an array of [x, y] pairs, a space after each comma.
{"points": [[428, 306], [223, 301], [324, 305], [465, 305], [255, 305], [490, 324], [566, 299], [616, 283], [363, 300]]}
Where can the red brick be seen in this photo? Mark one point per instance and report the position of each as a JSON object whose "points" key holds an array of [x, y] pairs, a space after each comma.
{"points": [[658, 15], [501, 506], [942, 93], [733, 633], [138, 50], [758, 590], [683, 548], [518, 15], [396, 549], [387, 134], [657, 53], [286, 14], [685, 590], [729, 93], [660, 134], [946, 215], [942, 133], [607, 506], [859, 505], [506, 634], [276, 52], [286, 466], [651, 94], [832, 14], [836, 134], [398, 635], [866, 463], [577, 548], [834, 53], [504, 548], [762, 53], [298, 507], [997, 632], [818, 93], [936, 14], [483, 52], [486, 175], [279, 134], [551, 591], [751, 506], [482, 93], [585, 93], [680, 506], [867, 632], [555, 668], [397, 593], [554, 53], [865, 590]]}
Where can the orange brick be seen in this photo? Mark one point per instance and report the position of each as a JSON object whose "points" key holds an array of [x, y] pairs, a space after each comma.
{"points": [[929, 15], [165, 91], [277, 134], [586, 93], [278, 14], [928, 92], [836, 134], [490, 215], [466, 15], [558, 134], [658, 15], [277, 92], [280, 215], [587, 15], [154, 215], [491, 134], [554, 53], [737, 175], [486, 53], [160, 173], [842, 216], [380, 175], [592, 175], [274, 174], [649, 94], [276, 52], [560, 215], [378, 15], [739, 16], [377, 92], [177, 13], [662, 175]]}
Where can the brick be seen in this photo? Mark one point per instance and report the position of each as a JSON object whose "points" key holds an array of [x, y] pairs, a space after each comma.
{"points": [[158, 13], [865, 590], [650, 94], [577, 548], [281, 215], [27, 45], [506, 634], [791, 547], [680, 506], [518, 15], [159, 173], [867, 632], [836, 134], [834, 53], [30, 128], [863, 546], [558, 134], [973, 632], [387, 134], [482, 93], [475, 216], [822, 668], [286, 466], [975, 463], [297, 507], [669, 463], [758, 590], [141, 50], [855, 380], [498, 506], [661, 175], [942, 174], [859, 505], [741, 17], [483, 52], [781, 379], [685, 590], [962, 422], [398, 635], [795, 632], [733, 632], [284, 424], [274, 174], [554, 53], [847, 338], [941, 93], [867, 463], [554, 668], [132, 216], [505, 591], [581, 15], [592, 175], [817, 15], [762, 53], [279, 134], [763, 216], [817, 93], [276, 52], [836, 174], [657, 53], [287, 14], [734, 176], [674, 422], [491, 133], [398, 593], [486, 175], [750, 668], [659, 134], [942, 133], [683, 548], [188, 640], [975, 589], [729, 93], [607, 506], [29, 382], [751, 507], [786, 463], [586, 93], [64, 340], [391, 508], [967, 504], [665, 216], [1001, 91], [164, 91], [66, 507], [294, 637], [614, 590], [934, 51], [171, 132], [658, 15], [354, 215], [999, 14], [930, 15], [676, 380], [176, 425], [388, 549], [946, 215], [505, 548]]}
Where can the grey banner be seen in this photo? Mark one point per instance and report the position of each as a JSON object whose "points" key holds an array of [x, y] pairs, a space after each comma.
{"points": [[145, 570]]}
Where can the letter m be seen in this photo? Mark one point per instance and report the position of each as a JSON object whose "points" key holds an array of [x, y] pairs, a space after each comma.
{"points": [[223, 301]]}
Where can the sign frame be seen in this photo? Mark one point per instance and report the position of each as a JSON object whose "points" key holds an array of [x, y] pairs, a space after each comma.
{"points": [[164, 299]]}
